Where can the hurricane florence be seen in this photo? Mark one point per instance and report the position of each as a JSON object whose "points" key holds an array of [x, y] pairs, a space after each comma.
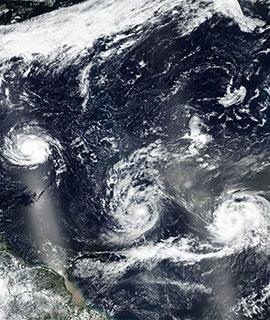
{"points": [[28, 146]]}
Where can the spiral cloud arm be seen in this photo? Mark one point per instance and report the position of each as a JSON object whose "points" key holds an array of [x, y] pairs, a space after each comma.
{"points": [[29, 146]]}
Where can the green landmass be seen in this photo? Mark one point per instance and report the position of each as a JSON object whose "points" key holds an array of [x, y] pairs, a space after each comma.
{"points": [[36, 293]]}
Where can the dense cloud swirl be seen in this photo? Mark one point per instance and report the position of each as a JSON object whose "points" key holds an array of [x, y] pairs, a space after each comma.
{"points": [[241, 218], [29, 146]]}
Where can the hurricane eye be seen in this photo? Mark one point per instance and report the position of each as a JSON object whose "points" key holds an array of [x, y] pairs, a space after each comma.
{"points": [[29, 146]]}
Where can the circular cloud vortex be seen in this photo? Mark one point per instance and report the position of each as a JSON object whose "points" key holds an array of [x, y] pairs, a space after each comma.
{"points": [[241, 218], [29, 146]]}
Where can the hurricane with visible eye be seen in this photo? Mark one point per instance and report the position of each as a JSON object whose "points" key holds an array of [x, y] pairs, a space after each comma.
{"points": [[27, 150], [29, 146]]}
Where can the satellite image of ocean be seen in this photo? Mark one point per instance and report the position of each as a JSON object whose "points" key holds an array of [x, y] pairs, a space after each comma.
{"points": [[134, 159]]}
